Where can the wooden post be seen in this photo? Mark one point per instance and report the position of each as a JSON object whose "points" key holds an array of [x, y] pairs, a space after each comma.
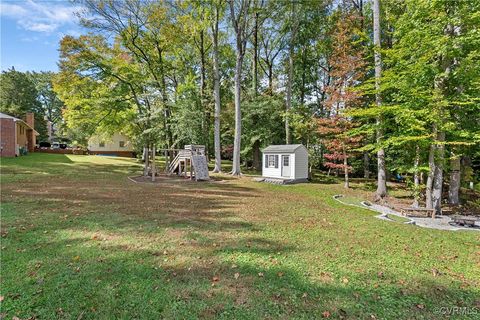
{"points": [[186, 167], [191, 169]]}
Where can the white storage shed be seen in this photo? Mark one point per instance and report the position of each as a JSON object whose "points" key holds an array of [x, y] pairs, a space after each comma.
{"points": [[285, 162]]}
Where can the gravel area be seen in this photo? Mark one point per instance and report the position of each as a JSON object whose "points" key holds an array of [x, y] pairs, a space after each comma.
{"points": [[440, 222]]}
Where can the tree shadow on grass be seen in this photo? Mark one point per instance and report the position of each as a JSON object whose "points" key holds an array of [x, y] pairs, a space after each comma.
{"points": [[86, 277], [114, 249]]}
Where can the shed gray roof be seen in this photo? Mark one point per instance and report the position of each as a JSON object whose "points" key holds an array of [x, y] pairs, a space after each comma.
{"points": [[282, 148]]}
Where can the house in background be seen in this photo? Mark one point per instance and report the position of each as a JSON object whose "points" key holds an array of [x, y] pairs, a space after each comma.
{"points": [[16, 135], [117, 145], [285, 163]]}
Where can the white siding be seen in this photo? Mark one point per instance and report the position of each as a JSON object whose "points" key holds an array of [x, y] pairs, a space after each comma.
{"points": [[111, 144], [301, 163], [272, 172], [298, 164]]}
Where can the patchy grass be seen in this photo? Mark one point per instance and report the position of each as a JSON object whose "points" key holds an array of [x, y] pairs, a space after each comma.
{"points": [[79, 240]]}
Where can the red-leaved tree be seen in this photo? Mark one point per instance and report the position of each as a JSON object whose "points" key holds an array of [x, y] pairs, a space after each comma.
{"points": [[347, 70]]}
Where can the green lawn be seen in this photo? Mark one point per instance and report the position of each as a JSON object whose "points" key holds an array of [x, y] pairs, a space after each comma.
{"points": [[81, 241]]}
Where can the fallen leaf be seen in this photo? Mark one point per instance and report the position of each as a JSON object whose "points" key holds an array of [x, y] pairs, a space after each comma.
{"points": [[345, 280], [76, 258], [234, 266], [236, 275], [260, 274], [304, 295], [216, 278], [326, 314], [420, 306], [280, 274]]}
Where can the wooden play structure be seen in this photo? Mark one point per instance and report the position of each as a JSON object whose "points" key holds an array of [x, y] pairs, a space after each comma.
{"points": [[189, 162]]}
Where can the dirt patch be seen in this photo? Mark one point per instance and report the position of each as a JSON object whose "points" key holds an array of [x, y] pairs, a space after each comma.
{"points": [[160, 179]]}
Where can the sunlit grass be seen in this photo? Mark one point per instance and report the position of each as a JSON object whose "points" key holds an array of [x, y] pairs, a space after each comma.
{"points": [[79, 240]]}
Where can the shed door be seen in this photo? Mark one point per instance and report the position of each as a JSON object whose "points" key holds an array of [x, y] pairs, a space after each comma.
{"points": [[286, 166]]}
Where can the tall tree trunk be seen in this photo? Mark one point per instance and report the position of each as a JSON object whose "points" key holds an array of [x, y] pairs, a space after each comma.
{"points": [[154, 169], [381, 176], [169, 134], [238, 117], [431, 173], [288, 136], [366, 165], [203, 105], [216, 95], [255, 54], [270, 79], [345, 165], [257, 163], [146, 161], [416, 178], [453, 191], [241, 27], [438, 174]]}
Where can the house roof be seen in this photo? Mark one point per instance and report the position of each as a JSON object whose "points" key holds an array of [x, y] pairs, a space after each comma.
{"points": [[282, 148], [6, 116]]}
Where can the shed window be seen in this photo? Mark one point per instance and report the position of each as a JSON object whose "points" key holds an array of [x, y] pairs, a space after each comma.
{"points": [[272, 161], [121, 144], [286, 161], [102, 144]]}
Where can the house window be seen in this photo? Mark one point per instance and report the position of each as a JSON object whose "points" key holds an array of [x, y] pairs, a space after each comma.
{"points": [[286, 161], [121, 144], [102, 144], [271, 161]]}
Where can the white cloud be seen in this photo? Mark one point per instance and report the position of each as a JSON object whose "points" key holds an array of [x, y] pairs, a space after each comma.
{"points": [[44, 17], [38, 26]]}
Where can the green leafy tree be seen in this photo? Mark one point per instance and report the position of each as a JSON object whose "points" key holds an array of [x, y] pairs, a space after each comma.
{"points": [[18, 95]]}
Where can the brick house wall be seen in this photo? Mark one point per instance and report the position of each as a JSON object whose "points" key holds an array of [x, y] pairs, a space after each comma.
{"points": [[7, 137]]}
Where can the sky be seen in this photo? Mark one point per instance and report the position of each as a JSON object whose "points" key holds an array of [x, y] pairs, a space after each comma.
{"points": [[31, 31]]}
